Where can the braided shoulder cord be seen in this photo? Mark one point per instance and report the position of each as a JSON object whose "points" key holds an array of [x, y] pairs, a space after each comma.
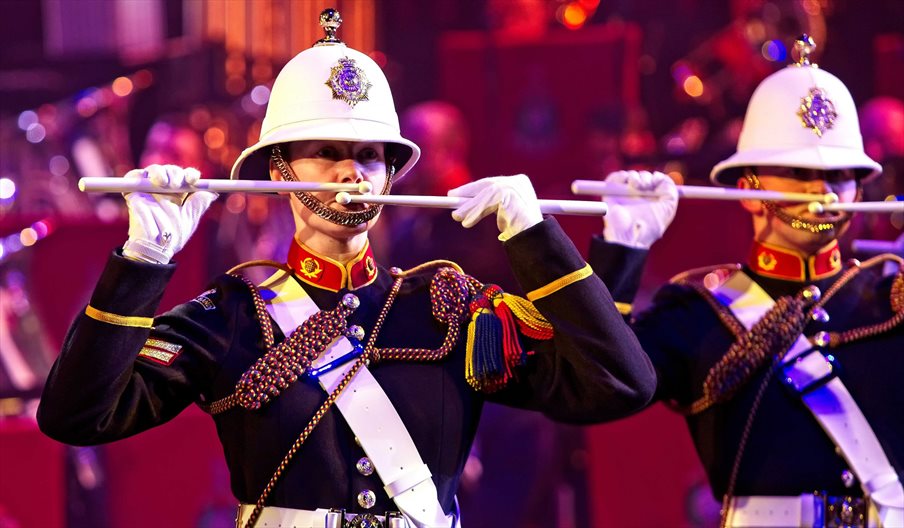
{"points": [[778, 330]]}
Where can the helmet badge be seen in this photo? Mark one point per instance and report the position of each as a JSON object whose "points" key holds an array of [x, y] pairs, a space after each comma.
{"points": [[817, 112], [348, 82]]}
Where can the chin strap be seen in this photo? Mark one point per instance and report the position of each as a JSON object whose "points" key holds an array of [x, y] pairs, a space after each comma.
{"points": [[319, 208]]}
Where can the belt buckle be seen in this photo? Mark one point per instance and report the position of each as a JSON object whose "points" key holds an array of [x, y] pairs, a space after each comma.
{"points": [[807, 382], [845, 512], [363, 520]]}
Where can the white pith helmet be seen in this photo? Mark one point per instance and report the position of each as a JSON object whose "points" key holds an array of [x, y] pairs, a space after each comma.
{"points": [[328, 92], [801, 117]]}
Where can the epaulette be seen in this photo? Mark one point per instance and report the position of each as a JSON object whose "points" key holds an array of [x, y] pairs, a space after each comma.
{"points": [[703, 280]]}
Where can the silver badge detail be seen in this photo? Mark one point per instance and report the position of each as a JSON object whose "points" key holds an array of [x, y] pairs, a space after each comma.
{"points": [[205, 300], [348, 82], [817, 112]]}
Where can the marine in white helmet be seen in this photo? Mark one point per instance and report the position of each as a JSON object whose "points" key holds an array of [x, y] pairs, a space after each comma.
{"points": [[344, 393], [786, 365]]}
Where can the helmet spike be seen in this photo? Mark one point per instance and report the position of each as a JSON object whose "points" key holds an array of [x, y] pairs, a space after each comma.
{"points": [[330, 20], [804, 45]]}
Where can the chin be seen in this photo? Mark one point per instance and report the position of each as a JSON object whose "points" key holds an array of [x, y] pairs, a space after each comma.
{"points": [[809, 243]]}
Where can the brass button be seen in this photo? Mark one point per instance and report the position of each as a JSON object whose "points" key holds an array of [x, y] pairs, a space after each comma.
{"points": [[365, 467], [367, 499], [350, 300], [848, 478], [355, 331], [820, 315]]}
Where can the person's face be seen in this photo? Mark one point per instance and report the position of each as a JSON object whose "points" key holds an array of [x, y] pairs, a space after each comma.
{"points": [[768, 227], [330, 161]]}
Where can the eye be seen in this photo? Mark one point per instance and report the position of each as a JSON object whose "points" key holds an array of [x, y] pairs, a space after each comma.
{"points": [[328, 152], [368, 154]]}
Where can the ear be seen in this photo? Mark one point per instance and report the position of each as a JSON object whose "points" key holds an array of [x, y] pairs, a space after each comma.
{"points": [[275, 175], [754, 207]]}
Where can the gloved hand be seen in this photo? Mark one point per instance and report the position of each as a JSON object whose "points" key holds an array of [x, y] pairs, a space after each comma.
{"points": [[161, 224], [512, 198], [638, 222]]}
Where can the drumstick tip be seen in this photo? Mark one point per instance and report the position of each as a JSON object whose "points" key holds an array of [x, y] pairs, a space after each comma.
{"points": [[816, 207], [343, 198], [830, 198], [81, 184], [365, 187]]}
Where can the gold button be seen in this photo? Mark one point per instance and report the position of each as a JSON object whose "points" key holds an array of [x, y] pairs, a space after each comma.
{"points": [[365, 466], [367, 499]]}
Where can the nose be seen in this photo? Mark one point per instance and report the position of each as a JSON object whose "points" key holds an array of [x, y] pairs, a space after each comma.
{"points": [[349, 172]]}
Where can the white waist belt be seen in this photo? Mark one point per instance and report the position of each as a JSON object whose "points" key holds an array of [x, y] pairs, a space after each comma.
{"points": [[805, 511], [273, 517], [764, 511]]}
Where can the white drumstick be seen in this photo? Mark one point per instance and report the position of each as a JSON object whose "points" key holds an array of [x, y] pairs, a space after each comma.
{"points": [[863, 207], [124, 185], [563, 207], [598, 188]]}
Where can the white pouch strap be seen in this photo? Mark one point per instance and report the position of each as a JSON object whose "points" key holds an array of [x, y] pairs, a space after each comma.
{"points": [[368, 411]]}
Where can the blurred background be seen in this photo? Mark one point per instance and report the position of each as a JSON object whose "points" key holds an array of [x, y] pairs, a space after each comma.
{"points": [[557, 89]]}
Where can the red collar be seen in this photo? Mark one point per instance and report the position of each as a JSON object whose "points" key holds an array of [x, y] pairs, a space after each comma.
{"points": [[326, 273], [780, 263]]}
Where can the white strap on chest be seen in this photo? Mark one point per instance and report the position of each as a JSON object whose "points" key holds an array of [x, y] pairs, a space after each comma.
{"points": [[811, 374], [367, 410]]}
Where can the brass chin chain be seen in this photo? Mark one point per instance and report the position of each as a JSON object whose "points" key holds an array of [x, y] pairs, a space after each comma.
{"points": [[320, 209], [797, 222]]}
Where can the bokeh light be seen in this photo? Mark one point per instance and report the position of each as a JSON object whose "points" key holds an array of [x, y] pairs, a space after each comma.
{"points": [[574, 16], [7, 188], [28, 237], [122, 86], [58, 165], [35, 133], [26, 119], [260, 94], [774, 51], [693, 86], [214, 137]]}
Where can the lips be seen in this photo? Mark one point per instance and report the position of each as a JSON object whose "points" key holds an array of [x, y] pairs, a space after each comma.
{"points": [[348, 208], [805, 214]]}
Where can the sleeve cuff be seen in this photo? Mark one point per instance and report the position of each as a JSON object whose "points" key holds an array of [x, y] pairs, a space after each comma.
{"points": [[129, 288], [620, 267]]}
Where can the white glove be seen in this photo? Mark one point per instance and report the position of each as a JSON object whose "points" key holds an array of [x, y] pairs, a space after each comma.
{"points": [[638, 222], [512, 198], [161, 224]]}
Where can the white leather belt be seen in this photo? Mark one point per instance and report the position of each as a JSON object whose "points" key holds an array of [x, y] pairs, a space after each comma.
{"points": [[784, 512], [806, 511], [274, 517]]}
